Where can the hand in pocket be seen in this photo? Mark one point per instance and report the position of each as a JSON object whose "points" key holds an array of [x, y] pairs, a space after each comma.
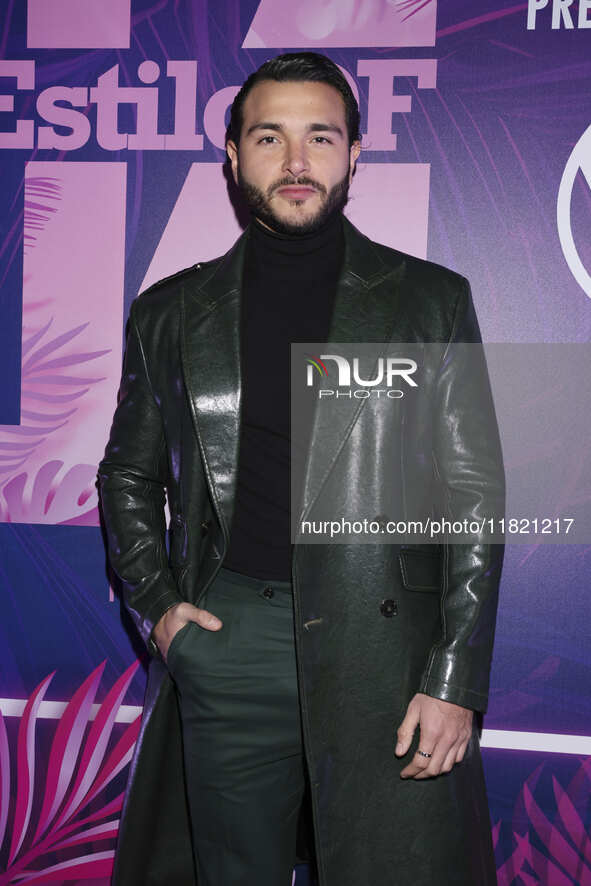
{"points": [[176, 618]]}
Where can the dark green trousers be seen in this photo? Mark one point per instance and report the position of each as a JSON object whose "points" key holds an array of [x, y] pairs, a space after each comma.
{"points": [[242, 738]]}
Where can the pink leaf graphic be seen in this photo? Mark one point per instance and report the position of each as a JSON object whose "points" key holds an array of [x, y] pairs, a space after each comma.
{"points": [[52, 398], [32, 341], [103, 831], [52, 345], [29, 430], [507, 872], [44, 379], [564, 854], [26, 766], [63, 498], [45, 485], [72, 360], [548, 871], [64, 380], [117, 760], [66, 746], [96, 743], [114, 806], [99, 864], [571, 820], [43, 416], [414, 6], [49, 842]]}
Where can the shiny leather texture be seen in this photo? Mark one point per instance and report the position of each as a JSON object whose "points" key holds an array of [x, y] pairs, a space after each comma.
{"points": [[375, 623]]}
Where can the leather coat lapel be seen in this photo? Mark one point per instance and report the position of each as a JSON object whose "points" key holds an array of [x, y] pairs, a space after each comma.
{"points": [[364, 311], [210, 355]]}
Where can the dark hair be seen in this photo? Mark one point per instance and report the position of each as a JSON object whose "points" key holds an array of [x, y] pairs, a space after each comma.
{"points": [[297, 66]]}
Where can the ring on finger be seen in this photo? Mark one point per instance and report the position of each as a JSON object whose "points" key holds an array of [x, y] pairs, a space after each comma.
{"points": [[424, 753]]}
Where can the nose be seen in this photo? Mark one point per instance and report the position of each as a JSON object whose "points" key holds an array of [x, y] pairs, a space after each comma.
{"points": [[296, 160]]}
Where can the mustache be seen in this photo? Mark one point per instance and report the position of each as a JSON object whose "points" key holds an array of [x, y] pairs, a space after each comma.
{"points": [[304, 182]]}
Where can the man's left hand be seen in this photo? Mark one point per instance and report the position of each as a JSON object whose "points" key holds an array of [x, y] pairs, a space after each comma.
{"points": [[445, 731]]}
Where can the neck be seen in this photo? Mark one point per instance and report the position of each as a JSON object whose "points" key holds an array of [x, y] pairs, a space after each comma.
{"points": [[316, 253]]}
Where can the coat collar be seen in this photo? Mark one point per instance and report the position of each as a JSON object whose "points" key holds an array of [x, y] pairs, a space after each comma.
{"points": [[364, 310]]}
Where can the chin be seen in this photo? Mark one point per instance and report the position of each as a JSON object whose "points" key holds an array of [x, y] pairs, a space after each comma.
{"points": [[296, 223], [297, 220]]}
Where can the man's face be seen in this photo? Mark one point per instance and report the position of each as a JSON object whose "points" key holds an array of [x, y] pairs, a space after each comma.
{"points": [[293, 163]]}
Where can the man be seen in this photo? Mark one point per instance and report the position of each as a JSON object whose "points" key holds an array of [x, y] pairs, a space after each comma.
{"points": [[346, 672]]}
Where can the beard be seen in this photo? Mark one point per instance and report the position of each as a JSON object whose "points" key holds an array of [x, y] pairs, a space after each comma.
{"points": [[259, 203]]}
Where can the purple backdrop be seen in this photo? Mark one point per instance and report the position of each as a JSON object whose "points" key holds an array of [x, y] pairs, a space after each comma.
{"points": [[477, 155]]}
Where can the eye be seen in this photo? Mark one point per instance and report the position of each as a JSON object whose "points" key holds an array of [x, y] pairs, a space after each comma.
{"points": [[324, 138], [263, 139]]}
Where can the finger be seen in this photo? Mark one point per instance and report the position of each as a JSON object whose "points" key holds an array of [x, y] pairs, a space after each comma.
{"points": [[406, 730], [419, 763], [413, 768], [428, 744], [443, 757], [450, 760], [438, 755], [208, 620], [441, 746], [462, 751], [445, 746]]}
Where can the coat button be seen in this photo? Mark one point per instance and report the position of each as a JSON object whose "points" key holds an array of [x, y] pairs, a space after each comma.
{"points": [[205, 527], [268, 592], [388, 608]]}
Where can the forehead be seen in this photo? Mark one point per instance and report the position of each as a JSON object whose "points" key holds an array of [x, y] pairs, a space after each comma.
{"points": [[294, 101]]}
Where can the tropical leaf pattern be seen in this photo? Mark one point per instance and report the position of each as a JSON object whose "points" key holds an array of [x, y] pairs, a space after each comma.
{"points": [[38, 208], [37, 486], [412, 6], [82, 762], [555, 850], [50, 391]]}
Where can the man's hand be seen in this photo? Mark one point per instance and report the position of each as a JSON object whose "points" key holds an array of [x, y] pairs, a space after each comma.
{"points": [[178, 616], [445, 731]]}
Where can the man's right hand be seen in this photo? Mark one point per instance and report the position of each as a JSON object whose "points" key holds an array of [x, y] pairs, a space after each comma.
{"points": [[178, 616]]}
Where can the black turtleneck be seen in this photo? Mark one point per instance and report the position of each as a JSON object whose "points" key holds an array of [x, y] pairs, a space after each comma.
{"points": [[288, 288]]}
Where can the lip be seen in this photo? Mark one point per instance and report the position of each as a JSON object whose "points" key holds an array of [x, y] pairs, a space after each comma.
{"points": [[296, 191]]}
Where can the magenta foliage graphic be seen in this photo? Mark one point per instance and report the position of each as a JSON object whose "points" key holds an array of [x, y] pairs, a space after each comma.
{"points": [[55, 383], [49, 396], [78, 771], [553, 850]]}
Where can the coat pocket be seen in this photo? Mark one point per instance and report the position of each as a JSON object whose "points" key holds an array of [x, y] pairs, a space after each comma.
{"points": [[421, 570]]}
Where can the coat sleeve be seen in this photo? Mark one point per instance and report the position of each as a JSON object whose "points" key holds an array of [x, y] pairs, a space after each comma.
{"points": [[131, 481], [467, 460]]}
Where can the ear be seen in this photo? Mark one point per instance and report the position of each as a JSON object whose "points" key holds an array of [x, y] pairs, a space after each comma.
{"points": [[354, 152], [232, 152]]}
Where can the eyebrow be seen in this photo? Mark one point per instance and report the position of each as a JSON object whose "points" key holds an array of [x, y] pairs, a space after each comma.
{"points": [[313, 127]]}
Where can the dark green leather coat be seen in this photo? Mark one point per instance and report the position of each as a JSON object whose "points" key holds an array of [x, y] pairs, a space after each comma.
{"points": [[176, 427]]}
